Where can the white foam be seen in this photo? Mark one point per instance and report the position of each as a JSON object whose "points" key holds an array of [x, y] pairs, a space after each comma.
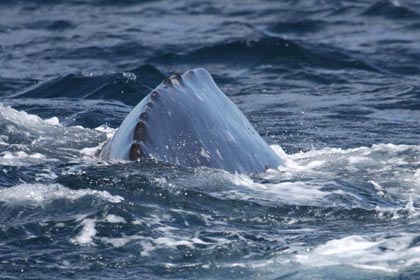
{"points": [[288, 162], [355, 154], [90, 152], [86, 235], [44, 140], [115, 219], [109, 131], [21, 158], [39, 194], [53, 121], [410, 205], [163, 236], [20, 154], [378, 187], [173, 243], [172, 240], [388, 254], [416, 177], [21, 118], [388, 167], [297, 192]]}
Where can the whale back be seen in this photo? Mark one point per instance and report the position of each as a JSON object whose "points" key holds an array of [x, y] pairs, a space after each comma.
{"points": [[188, 121]]}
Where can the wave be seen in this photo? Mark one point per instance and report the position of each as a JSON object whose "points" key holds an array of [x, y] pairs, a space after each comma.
{"points": [[299, 26], [79, 2], [9, 86], [391, 10], [128, 87], [265, 51], [52, 25]]}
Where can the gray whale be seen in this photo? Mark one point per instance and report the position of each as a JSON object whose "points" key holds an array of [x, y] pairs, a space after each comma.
{"points": [[188, 121]]}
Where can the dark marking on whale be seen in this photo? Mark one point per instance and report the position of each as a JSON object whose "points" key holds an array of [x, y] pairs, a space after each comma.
{"points": [[188, 121]]}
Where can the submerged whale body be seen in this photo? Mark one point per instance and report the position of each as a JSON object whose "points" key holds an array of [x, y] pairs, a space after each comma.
{"points": [[188, 121]]}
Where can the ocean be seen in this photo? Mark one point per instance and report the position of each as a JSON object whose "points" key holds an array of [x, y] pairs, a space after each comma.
{"points": [[332, 86]]}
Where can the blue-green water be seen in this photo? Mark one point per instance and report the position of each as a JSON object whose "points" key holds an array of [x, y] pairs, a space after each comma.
{"points": [[332, 86]]}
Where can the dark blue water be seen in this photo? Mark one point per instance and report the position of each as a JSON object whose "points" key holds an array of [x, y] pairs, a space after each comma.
{"points": [[333, 86]]}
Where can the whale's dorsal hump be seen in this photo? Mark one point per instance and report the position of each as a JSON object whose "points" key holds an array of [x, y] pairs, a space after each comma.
{"points": [[187, 120]]}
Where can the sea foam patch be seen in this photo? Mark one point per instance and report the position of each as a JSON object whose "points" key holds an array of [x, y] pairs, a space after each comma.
{"points": [[39, 194], [379, 154], [299, 193], [21, 158], [89, 153], [21, 118], [388, 254], [387, 168], [86, 235]]}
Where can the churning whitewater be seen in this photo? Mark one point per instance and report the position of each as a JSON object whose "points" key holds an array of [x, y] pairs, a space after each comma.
{"points": [[310, 213]]}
